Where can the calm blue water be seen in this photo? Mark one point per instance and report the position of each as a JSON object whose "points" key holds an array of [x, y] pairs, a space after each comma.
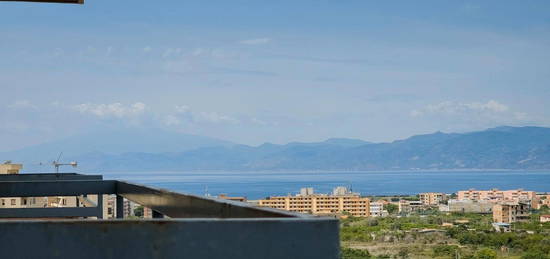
{"points": [[256, 185]]}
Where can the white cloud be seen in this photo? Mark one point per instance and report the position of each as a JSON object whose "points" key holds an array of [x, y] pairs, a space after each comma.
{"points": [[184, 113], [214, 117], [256, 41], [171, 120], [182, 108], [117, 110], [22, 104], [453, 108], [474, 115]]}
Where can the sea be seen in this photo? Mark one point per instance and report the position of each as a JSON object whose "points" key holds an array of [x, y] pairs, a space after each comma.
{"points": [[257, 185]]}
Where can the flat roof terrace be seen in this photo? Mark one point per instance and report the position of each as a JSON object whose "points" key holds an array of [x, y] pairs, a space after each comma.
{"points": [[183, 225]]}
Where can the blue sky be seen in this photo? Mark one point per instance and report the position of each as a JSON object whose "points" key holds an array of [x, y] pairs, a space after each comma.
{"points": [[272, 71]]}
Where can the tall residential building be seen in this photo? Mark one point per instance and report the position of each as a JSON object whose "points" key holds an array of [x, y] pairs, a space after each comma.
{"points": [[340, 201], [498, 195], [509, 212], [432, 198]]}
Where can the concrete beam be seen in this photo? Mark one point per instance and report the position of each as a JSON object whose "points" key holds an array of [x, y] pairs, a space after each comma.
{"points": [[48, 212], [47, 177], [56, 188], [177, 205]]}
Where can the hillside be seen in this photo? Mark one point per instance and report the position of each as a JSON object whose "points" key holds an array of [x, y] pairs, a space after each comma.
{"points": [[496, 148]]}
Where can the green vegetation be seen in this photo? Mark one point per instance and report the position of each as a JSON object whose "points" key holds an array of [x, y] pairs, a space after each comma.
{"points": [[391, 208], [486, 253], [354, 253], [138, 211], [425, 236]]}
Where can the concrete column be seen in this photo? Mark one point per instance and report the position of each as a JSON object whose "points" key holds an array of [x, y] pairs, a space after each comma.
{"points": [[119, 207], [100, 206]]}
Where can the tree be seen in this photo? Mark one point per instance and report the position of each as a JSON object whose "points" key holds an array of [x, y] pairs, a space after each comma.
{"points": [[351, 253], [138, 211], [391, 208], [486, 253]]}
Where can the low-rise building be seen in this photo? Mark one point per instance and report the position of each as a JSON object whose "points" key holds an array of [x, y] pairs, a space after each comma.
{"points": [[341, 201], [510, 212], [544, 218], [432, 198], [232, 198]]}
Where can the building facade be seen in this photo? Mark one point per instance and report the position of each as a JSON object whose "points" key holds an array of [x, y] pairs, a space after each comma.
{"points": [[9, 168], [500, 195], [377, 209], [309, 202], [510, 212], [471, 206], [432, 198], [406, 206]]}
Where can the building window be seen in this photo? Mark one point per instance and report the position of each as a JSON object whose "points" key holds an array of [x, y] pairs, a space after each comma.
{"points": [[12, 201], [3, 202]]}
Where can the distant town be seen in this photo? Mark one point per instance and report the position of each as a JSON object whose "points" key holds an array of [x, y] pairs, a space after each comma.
{"points": [[506, 206]]}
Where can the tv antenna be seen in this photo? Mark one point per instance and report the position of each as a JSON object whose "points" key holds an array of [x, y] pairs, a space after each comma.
{"points": [[56, 163]]}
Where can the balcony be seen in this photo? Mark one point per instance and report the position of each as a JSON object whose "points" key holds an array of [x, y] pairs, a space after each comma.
{"points": [[183, 225]]}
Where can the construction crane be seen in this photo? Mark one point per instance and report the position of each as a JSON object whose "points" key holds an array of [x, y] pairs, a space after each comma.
{"points": [[57, 164]]}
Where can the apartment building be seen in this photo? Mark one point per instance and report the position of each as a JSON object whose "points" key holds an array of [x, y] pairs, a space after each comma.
{"points": [[377, 209], [341, 200], [432, 198], [500, 195], [8, 168], [509, 212]]}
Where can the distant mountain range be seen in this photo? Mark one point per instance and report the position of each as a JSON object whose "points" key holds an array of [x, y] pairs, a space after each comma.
{"points": [[496, 148]]}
